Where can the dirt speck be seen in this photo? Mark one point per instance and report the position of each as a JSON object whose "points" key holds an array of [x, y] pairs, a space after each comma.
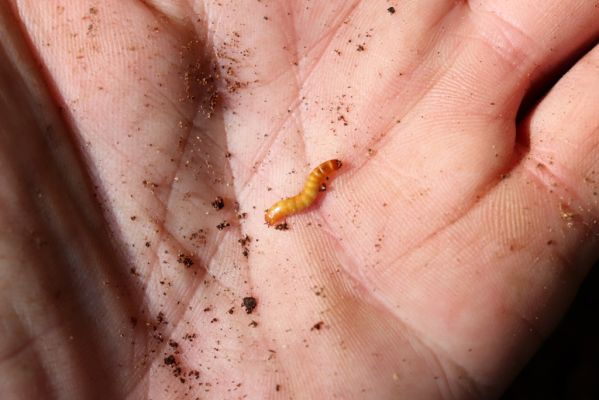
{"points": [[170, 360], [317, 326], [185, 260], [223, 225], [218, 203], [245, 240], [249, 303], [566, 213], [282, 226]]}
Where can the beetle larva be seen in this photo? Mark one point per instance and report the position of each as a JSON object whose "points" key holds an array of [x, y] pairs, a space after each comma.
{"points": [[306, 197]]}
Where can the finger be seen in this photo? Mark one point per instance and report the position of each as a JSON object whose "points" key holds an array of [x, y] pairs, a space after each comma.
{"points": [[519, 256], [456, 100], [553, 50], [564, 134], [548, 241]]}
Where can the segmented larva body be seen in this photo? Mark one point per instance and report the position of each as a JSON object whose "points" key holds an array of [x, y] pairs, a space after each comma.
{"points": [[306, 197]]}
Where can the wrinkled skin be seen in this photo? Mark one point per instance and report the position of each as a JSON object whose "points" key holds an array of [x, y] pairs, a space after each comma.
{"points": [[447, 248]]}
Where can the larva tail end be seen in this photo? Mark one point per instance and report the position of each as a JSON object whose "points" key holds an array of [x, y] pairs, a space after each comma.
{"points": [[273, 214], [269, 220]]}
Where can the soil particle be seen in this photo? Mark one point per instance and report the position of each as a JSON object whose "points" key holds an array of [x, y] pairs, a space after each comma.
{"points": [[317, 326], [185, 260], [282, 227], [222, 225], [170, 360], [218, 203], [249, 303]]}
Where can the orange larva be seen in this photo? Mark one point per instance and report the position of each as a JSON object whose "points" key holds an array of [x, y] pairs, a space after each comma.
{"points": [[306, 197]]}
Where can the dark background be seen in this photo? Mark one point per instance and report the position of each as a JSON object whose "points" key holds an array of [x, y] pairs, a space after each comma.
{"points": [[567, 365]]}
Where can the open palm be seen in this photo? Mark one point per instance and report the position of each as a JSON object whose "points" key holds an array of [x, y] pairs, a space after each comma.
{"points": [[443, 252]]}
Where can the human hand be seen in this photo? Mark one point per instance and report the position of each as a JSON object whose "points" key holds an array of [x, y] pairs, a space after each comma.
{"points": [[445, 250]]}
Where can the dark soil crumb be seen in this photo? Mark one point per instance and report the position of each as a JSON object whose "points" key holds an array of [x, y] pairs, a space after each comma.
{"points": [[228, 155], [278, 387], [133, 217], [249, 303], [218, 203], [148, 244], [160, 318], [189, 337], [170, 360], [253, 324], [199, 237], [391, 10], [185, 260], [360, 48], [173, 344], [158, 336], [282, 227], [244, 240], [317, 326], [222, 225], [177, 371], [213, 320], [151, 185], [231, 310]]}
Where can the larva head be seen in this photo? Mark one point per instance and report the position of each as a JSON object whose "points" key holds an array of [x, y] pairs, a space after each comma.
{"points": [[337, 163]]}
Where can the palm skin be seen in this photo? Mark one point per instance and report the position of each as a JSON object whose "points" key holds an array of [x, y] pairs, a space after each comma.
{"points": [[441, 255]]}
